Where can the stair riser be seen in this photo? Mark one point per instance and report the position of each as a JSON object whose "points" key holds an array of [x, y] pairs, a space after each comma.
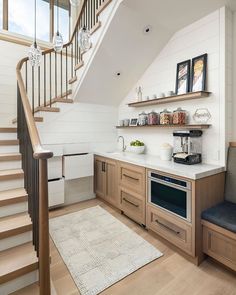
{"points": [[13, 209], [19, 283], [11, 184], [5, 136], [5, 165], [15, 241], [9, 149]]}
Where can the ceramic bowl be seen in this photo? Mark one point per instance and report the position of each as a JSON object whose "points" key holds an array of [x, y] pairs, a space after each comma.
{"points": [[137, 149]]}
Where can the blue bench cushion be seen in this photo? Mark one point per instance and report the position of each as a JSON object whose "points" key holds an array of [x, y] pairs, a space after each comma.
{"points": [[223, 215]]}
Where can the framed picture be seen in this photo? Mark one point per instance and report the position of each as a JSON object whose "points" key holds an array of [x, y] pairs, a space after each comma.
{"points": [[183, 77], [133, 122], [199, 69]]}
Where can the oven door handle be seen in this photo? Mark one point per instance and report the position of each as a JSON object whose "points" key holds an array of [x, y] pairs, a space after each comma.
{"points": [[185, 189], [167, 227]]}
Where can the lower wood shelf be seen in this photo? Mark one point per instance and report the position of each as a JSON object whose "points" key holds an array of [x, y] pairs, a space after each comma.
{"points": [[193, 126]]}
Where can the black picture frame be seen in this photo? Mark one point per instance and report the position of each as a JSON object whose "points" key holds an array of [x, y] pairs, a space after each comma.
{"points": [[199, 84], [183, 66], [133, 122]]}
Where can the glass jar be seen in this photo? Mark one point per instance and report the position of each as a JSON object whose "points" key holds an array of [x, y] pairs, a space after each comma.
{"points": [[143, 119], [152, 118], [165, 117], [179, 117]]}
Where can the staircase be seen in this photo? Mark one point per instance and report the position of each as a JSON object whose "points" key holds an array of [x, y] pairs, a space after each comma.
{"points": [[18, 258], [24, 230]]}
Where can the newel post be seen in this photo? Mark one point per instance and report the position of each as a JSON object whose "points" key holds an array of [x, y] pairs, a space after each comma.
{"points": [[44, 248]]}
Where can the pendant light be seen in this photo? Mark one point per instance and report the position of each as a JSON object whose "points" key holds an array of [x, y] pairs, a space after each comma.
{"points": [[74, 2], [57, 39], [35, 53], [84, 39]]}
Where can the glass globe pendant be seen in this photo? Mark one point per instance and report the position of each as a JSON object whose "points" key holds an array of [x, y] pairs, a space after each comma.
{"points": [[57, 39], [57, 42], [84, 39], [74, 2], [35, 53]]}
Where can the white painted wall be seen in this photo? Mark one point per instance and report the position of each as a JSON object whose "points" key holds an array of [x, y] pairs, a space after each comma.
{"points": [[204, 36]]}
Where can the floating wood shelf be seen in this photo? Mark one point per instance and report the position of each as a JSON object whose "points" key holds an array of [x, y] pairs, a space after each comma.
{"points": [[193, 126], [174, 98]]}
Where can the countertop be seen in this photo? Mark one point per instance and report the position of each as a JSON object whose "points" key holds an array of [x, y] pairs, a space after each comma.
{"points": [[193, 172]]}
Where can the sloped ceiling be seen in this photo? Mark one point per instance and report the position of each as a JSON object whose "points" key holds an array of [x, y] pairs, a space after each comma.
{"points": [[126, 49]]}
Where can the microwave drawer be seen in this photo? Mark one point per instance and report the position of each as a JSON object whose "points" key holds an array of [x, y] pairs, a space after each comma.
{"points": [[132, 205], [170, 228], [133, 178]]}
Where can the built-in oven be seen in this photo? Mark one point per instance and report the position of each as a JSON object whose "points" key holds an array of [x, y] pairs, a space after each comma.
{"points": [[171, 194]]}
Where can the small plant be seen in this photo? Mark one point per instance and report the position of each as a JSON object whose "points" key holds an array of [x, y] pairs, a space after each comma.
{"points": [[137, 143]]}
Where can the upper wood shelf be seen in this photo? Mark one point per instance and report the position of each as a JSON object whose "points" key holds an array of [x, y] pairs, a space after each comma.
{"points": [[192, 126], [174, 98]]}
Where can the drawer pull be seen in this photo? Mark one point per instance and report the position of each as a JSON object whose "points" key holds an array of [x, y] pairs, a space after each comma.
{"points": [[130, 203], [131, 177], [167, 227]]}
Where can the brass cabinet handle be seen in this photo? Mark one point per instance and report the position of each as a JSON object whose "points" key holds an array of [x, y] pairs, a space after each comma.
{"points": [[167, 227], [131, 177], [130, 203]]}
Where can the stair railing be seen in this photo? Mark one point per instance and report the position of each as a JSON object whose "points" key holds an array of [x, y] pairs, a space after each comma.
{"points": [[37, 90]]}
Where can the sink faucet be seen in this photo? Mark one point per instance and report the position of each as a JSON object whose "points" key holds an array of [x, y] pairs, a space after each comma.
{"points": [[123, 143]]}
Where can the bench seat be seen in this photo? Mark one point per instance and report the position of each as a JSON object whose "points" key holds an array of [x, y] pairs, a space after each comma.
{"points": [[223, 215]]}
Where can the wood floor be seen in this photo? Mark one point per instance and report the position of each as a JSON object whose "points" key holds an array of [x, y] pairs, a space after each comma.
{"points": [[170, 275]]}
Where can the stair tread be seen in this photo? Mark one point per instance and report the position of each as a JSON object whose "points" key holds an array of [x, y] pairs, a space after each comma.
{"points": [[14, 222], [8, 130], [9, 142], [10, 156], [17, 261], [36, 119], [8, 196], [10, 172], [46, 109]]}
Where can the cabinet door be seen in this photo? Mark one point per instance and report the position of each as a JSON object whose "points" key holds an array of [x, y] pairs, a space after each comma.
{"points": [[112, 183], [100, 178]]}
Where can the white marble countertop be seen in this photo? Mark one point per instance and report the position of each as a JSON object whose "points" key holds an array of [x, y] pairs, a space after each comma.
{"points": [[193, 172]]}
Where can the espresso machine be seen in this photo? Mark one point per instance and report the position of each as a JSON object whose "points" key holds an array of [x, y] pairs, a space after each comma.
{"points": [[187, 147]]}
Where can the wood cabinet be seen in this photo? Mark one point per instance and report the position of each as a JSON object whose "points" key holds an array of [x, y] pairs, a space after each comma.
{"points": [[132, 191], [106, 180], [172, 228], [220, 244]]}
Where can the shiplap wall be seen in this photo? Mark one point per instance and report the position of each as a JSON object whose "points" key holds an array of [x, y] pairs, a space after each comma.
{"points": [[204, 36], [10, 54]]}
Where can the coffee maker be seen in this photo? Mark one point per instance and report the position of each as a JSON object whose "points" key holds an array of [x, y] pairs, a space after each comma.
{"points": [[187, 147]]}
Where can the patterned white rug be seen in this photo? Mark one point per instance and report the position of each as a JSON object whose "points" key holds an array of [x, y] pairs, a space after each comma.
{"points": [[98, 249]]}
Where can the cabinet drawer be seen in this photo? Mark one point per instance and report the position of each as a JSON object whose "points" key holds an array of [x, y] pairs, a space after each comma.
{"points": [[78, 166], [171, 228], [56, 192], [221, 245], [132, 205], [133, 178], [55, 168]]}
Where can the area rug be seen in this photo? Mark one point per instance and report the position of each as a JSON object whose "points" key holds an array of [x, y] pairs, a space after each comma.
{"points": [[98, 249]]}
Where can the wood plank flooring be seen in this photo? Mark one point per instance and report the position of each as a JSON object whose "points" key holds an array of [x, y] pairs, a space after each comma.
{"points": [[170, 275]]}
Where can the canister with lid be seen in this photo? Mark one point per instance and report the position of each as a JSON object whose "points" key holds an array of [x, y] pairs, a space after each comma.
{"points": [[152, 118], [179, 117], [165, 117], [143, 118]]}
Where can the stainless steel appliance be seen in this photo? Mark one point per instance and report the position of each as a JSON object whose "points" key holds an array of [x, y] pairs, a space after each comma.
{"points": [[187, 147], [171, 194]]}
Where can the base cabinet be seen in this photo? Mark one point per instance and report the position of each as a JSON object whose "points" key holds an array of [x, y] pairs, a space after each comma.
{"points": [[173, 229], [219, 244], [106, 180]]}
